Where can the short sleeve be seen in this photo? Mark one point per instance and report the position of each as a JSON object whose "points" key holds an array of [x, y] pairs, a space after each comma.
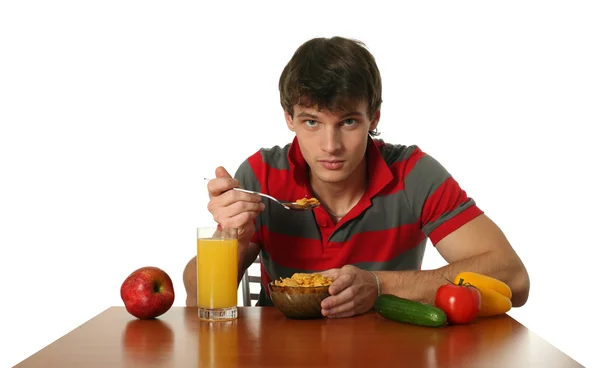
{"points": [[436, 199]]}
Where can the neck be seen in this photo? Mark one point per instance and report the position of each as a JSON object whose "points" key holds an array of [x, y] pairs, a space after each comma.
{"points": [[339, 198]]}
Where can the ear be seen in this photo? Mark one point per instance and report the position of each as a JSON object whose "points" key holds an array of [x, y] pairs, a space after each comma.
{"points": [[375, 120], [289, 120]]}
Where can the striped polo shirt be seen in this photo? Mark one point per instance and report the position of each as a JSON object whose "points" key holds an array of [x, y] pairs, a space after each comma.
{"points": [[410, 197]]}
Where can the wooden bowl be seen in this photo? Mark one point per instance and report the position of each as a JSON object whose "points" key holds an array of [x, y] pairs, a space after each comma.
{"points": [[299, 302]]}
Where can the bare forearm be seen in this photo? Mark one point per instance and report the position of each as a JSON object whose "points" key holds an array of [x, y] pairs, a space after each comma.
{"points": [[422, 285], [247, 253]]}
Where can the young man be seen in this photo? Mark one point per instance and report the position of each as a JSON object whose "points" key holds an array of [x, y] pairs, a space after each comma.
{"points": [[379, 202]]}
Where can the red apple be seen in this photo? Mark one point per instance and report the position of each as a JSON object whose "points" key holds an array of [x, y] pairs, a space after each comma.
{"points": [[147, 292]]}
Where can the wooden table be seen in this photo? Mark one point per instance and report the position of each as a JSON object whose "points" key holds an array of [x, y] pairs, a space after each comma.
{"points": [[262, 337]]}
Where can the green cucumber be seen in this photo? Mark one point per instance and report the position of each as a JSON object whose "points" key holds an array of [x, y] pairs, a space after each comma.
{"points": [[409, 311]]}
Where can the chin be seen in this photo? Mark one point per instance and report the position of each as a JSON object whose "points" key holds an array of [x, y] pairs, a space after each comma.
{"points": [[332, 177]]}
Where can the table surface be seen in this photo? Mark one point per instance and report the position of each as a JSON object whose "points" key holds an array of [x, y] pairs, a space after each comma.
{"points": [[263, 337]]}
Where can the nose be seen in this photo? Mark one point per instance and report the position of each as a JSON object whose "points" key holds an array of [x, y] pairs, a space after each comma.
{"points": [[331, 140]]}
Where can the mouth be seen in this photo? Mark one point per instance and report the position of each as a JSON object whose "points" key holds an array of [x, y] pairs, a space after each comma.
{"points": [[332, 164]]}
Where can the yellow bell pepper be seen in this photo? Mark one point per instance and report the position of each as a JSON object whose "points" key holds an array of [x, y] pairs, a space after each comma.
{"points": [[495, 294]]}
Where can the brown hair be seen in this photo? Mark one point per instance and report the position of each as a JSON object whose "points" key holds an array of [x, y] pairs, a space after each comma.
{"points": [[331, 73]]}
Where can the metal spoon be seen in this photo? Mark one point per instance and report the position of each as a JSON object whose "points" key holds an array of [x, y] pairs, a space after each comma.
{"points": [[293, 206], [287, 205]]}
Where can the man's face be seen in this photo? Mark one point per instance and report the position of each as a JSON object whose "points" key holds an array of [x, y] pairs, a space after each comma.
{"points": [[333, 144]]}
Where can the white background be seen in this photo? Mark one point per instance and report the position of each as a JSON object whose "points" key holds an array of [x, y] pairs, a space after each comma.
{"points": [[112, 113]]}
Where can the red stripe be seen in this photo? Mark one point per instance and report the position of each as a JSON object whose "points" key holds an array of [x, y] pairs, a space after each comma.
{"points": [[309, 254], [256, 237], [282, 186], [397, 182], [258, 167], [380, 246], [278, 183], [454, 223], [265, 279], [378, 143], [445, 198], [294, 252]]}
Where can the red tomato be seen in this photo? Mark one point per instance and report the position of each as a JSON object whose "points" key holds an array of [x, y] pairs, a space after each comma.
{"points": [[461, 303]]}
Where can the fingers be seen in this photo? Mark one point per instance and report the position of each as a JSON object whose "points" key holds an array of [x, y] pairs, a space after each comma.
{"points": [[234, 213], [350, 292], [231, 208], [237, 221], [341, 282], [334, 301], [222, 183], [231, 197], [331, 273], [341, 292], [218, 186], [336, 305], [220, 172]]}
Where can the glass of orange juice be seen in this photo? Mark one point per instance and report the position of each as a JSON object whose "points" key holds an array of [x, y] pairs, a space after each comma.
{"points": [[217, 273]]}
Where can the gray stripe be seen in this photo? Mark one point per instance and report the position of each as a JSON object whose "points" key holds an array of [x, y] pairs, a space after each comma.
{"points": [[276, 157], [407, 260], [387, 212], [428, 228], [275, 270], [247, 178], [426, 176], [393, 153], [245, 175], [293, 223]]}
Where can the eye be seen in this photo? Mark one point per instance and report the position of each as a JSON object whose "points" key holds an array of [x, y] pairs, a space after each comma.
{"points": [[310, 123], [349, 122]]}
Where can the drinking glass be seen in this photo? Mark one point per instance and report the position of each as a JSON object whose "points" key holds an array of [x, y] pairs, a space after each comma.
{"points": [[217, 273]]}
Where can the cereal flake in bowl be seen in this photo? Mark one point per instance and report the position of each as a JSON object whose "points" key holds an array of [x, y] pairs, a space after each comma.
{"points": [[300, 296]]}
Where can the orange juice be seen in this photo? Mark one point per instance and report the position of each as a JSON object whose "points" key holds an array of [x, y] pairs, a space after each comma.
{"points": [[217, 264]]}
